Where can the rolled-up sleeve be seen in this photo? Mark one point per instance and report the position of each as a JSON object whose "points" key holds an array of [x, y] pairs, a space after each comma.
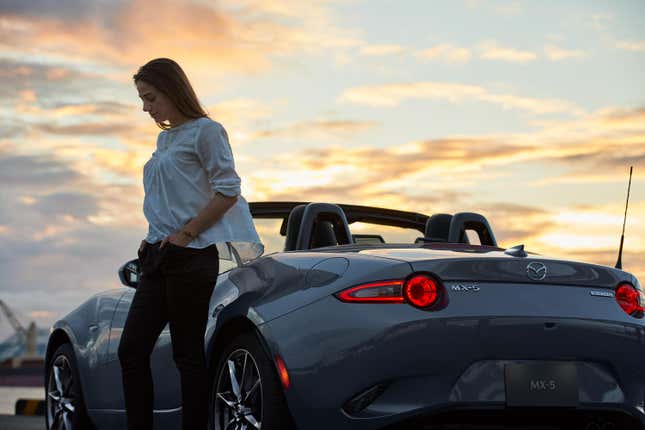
{"points": [[214, 152]]}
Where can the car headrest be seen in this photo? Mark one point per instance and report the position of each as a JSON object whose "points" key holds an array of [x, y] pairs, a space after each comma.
{"points": [[293, 227], [438, 227], [317, 224], [323, 235]]}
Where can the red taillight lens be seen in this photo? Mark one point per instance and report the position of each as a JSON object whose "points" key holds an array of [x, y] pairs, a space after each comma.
{"points": [[628, 297], [374, 292], [420, 291]]}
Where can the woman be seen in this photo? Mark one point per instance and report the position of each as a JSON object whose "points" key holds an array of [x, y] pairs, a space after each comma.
{"points": [[196, 215]]}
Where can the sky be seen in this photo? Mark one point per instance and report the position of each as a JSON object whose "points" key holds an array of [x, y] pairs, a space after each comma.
{"points": [[527, 112]]}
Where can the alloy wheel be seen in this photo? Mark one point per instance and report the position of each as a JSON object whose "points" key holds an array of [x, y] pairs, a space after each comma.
{"points": [[238, 395], [61, 399]]}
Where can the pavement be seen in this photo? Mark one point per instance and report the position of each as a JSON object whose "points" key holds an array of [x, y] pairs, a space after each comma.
{"points": [[20, 422]]}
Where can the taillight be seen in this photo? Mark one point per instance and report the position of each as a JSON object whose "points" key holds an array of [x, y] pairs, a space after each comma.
{"points": [[418, 290], [374, 292], [629, 298]]}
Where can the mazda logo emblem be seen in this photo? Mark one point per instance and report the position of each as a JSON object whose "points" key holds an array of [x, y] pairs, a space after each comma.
{"points": [[536, 271]]}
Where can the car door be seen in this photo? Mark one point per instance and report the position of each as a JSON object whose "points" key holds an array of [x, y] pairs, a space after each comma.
{"points": [[167, 389]]}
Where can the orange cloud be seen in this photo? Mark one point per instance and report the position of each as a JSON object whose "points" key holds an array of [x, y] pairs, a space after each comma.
{"points": [[16, 71], [437, 167], [126, 163], [368, 173], [27, 96], [221, 37]]}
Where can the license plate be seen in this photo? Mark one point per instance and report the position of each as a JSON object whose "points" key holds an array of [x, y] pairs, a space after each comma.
{"points": [[541, 384]]}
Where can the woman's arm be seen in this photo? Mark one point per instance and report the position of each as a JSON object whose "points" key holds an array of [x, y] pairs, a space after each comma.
{"points": [[215, 155], [208, 216]]}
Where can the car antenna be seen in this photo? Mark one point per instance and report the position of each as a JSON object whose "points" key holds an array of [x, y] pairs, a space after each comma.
{"points": [[619, 264]]}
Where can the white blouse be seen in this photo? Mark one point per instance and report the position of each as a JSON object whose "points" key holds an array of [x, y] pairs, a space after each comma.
{"points": [[192, 162]]}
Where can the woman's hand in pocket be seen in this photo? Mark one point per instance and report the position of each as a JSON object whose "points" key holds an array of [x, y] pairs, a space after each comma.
{"points": [[176, 239]]}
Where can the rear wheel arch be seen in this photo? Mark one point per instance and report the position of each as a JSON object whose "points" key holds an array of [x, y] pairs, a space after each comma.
{"points": [[62, 348], [56, 339], [229, 330], [242, 333]]}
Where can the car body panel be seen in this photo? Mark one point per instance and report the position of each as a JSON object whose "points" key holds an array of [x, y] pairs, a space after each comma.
{"points": [[477, 264], [88, 328], [429, 362], [284, 282], [166, 394]]}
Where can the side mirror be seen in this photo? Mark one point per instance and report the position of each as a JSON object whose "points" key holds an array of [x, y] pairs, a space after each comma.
{"points": [[129, 273]]}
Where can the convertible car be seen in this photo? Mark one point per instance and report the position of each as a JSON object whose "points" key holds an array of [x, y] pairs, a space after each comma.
{"points": [[343, 329]]}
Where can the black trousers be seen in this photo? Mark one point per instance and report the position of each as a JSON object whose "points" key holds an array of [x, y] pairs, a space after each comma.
{"points": [[175, 287]]}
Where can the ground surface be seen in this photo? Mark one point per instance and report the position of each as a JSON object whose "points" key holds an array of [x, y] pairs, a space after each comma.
{"points": [[16, 422]]}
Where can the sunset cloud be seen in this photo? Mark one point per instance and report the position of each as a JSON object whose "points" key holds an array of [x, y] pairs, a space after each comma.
{"points": [[634, 46], [242, 116], [49, 209], [43, 91], [319, 129], [393, 94], [555, 53], [514, 223], [85, 129], [381, 50], [492, 50], [445, 52], [34, 171], [365, 171], [510, 9], [118, 32], [601, 21], [75, 204]]}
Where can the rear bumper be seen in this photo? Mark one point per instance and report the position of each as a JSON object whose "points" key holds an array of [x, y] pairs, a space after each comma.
{"points": [[424, 364], [464, 418]]}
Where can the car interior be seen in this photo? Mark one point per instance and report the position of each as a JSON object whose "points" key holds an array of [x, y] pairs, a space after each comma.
{"points": [[316, 225]]}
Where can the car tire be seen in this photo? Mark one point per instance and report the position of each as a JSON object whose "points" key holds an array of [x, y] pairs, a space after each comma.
{"points": [[258, 400], [63, 392]]}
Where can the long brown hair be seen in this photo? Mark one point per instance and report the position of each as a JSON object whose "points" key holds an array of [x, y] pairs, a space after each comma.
{"points": [[166, 76]]}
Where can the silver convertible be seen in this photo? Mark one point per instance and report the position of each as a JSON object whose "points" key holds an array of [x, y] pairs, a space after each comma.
{"points": [[343, 329]]}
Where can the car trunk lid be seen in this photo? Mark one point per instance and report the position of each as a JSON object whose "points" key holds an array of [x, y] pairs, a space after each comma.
{"points": [[485, 265]]}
